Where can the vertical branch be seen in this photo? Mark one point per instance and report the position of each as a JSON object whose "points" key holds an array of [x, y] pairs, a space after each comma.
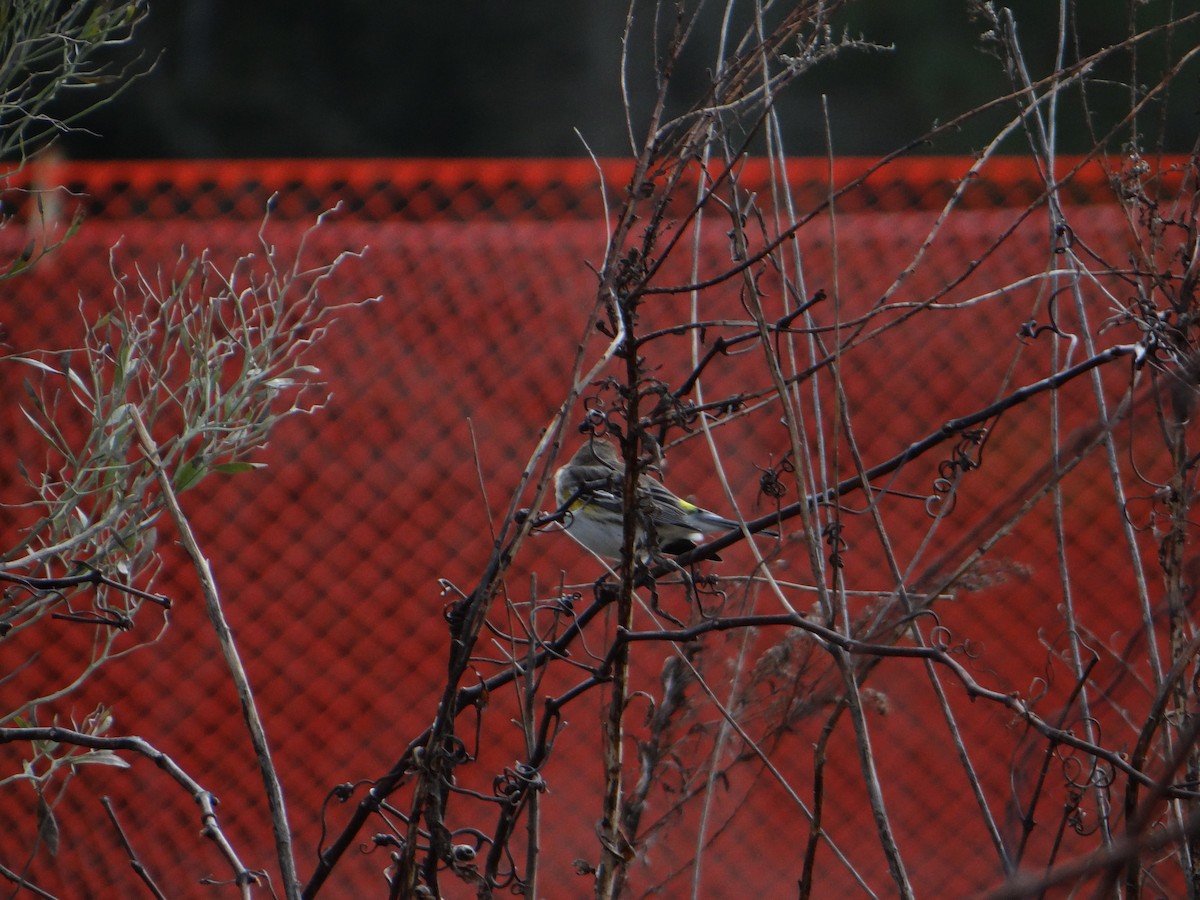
{"points": [[528, 722], [615, 845], [1171, 559], [816, 831], [212, 601], [883, 825]]}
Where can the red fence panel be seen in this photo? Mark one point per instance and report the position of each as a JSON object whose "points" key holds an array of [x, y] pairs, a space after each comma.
{"points": [[331, 559]]}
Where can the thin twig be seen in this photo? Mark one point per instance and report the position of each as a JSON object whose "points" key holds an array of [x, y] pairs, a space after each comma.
{"points": [[210, 825], [136, 864], [974, 690], [212, 601]]}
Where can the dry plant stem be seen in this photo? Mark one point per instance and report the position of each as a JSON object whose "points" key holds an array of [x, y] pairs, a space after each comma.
{"points": [[866, 756], [465, 633], [1143, 819], [836, 640], [1178, 503], [210, 825], [1078, 663], [844, 421], [1042, 142], [948, 430], [1171, 557], [1124, 850], [92, 576], [1138, 818], [523, 788], [754, 750], [960, 747], [467, 698], [24, 885], [657, 745], [533, 822], [135, 863], [615, 846], [1058, 81], [212, 601], [1029, 820], [816, 833], [720, 741], [694, 384], [853, 695]]}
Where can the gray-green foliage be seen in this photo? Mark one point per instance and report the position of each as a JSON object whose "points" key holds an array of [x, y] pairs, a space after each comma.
{"points": [[209, 357], [182, 372], [48, 48]]}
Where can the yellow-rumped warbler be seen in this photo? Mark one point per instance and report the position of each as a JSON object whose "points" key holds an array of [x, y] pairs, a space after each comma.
{"points": [[593, 484]]}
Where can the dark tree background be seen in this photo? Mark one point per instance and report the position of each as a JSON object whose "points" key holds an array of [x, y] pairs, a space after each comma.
{"points": [[380, 78]]}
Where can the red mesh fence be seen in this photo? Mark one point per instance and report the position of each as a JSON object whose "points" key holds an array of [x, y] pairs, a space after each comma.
{"points": [[330, 559]]}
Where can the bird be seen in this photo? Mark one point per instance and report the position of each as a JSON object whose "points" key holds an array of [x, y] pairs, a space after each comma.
{"points": [[590, 489]]}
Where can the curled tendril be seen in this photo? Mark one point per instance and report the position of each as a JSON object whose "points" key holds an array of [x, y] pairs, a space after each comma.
{"points": [[961, 459], [566, 602], [1076, 816], [927, 613], [969, 649], [1100, 774], [1031, 330], [597, 417], [707, 586], [513, 783], [941, 501], [966, 456], [454, 751], [1078, 823], [770, 484], [669, 410], [1038, 688], [449, 587], [1104, 775], [506, 785], [453, 611], [941, 638], [1073, 773], [832, 534]]}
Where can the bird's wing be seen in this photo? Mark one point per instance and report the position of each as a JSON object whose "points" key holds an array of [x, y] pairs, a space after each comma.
{"points": [[669, 510], [601, 498], [674, 510]]}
